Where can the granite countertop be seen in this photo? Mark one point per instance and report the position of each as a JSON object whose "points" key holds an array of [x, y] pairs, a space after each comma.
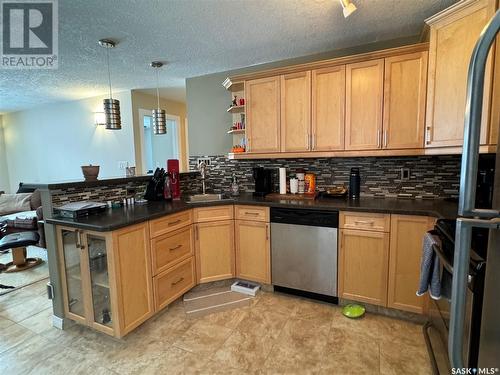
{"points": [[115, 218]]}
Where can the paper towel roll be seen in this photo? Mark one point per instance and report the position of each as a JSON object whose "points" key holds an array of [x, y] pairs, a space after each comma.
{"points": [[282, 180]]}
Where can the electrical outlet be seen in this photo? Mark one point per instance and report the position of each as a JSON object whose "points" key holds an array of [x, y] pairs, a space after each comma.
{"points": [[405, 174], [200, 160]]}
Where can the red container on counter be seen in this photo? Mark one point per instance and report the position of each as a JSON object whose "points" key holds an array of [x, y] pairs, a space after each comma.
{"points": [[173, 170]]}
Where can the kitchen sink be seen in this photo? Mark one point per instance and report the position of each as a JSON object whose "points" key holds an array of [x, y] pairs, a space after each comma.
{"points": [[199, 198]]}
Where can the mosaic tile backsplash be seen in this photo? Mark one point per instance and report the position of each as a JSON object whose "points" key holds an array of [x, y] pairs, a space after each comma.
{"points": [[430, 176], [98, 193]]}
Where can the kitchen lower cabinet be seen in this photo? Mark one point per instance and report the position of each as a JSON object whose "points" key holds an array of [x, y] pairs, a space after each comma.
{"points": [[214, 248], [253, 251], [174, 282], [407, 233], [107, 282], [363, 265]]}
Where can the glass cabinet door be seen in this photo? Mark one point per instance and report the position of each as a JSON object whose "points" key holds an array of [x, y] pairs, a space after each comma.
{"points": [[73, 268], [99, 279]]}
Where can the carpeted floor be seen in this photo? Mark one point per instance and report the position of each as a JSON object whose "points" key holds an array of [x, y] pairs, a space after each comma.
{"points": [[27, 277]]}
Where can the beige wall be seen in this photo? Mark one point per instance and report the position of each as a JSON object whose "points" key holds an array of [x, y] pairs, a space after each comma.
{"points": [[49, 143], [141, 100], [4, 171]]}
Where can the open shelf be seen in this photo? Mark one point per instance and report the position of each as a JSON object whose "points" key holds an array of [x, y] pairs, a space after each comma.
{"points": [[236, 109], [233, 86], [236, 131]]}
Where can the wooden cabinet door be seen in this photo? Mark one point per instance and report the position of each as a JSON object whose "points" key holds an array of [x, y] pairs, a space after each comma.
{"points": [[263, 114], [404, 101], [407, 233], [364, 96], [253, 251], [131, 273], [328, 108], [453, 34], [296, 112], [363, 266], [214, 244]]}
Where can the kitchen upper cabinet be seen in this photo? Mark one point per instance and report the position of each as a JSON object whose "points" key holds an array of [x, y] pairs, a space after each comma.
{"points": [[363, 266], [296, 112], [453, 34], [404, 101], [328, 108], [364, 101], [214, 246], [263, 114], [407, 233], [253, 251]]}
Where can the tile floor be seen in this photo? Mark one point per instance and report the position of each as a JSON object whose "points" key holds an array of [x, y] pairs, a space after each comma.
{"points": [[277, 334]]}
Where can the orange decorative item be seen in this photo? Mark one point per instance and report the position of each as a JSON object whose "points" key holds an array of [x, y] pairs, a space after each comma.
{"points": [[310, 183]]}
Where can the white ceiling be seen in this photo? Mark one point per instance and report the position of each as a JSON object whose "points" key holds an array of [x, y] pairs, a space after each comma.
{"points": [[197, 37]]}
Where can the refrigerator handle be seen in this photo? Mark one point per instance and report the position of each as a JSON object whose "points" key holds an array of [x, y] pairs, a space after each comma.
{"points": [[468, 180], [472, 122]]}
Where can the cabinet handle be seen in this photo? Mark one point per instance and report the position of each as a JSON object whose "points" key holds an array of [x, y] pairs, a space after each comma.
{"points": [[267, 231], [427, 135], [196, 235], [82, 246], [307, 141], [251, 213], [174, 222], [313, 141], [385, 138], [175, 248], [77, 234], [378, 138], [178, 281], [366, 222]]}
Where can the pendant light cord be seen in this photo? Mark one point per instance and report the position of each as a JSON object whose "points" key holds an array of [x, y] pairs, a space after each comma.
{"points": [[157, 88], [109, 73]]}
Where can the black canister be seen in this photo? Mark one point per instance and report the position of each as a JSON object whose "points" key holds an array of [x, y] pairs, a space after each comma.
{"points": [[354, 184]]}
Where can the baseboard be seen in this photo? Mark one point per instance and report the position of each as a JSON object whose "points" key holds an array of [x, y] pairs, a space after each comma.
{"points": [[61, 323]]}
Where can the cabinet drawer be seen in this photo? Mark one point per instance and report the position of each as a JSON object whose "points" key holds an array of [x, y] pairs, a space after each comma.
{"points": [[171, 248], [173, 283], [254, 213], [365, 221], [215, 213], [170, 223]]}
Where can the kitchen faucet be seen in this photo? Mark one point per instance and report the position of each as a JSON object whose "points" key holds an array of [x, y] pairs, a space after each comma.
{"points": [[202, 167]]}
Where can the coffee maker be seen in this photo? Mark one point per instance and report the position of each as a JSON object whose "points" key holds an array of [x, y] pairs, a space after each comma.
{"points": [[263, 181]]}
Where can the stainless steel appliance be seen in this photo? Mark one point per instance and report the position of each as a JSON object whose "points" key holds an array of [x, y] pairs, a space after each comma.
{"points": [[304, 252], [437, 329], [471, 217]]}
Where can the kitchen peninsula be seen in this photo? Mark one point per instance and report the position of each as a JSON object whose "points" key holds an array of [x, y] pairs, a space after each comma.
{"points": [[155, 252]]}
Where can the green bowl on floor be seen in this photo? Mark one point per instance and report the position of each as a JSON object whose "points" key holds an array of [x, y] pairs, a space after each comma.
{"points": [[353, 311]]}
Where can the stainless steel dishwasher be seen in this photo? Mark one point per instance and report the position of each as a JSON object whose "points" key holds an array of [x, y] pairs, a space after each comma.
{"points": [[304, 252]]}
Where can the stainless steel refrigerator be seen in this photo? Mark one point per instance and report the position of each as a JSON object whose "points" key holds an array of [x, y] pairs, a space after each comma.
{"points": [[470, 217]]}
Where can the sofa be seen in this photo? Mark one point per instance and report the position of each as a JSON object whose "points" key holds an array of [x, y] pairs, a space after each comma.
{"points": [[22, 212]]}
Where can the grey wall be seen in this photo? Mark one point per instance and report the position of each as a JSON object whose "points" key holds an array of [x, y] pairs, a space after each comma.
{"points": [[207, 100]]}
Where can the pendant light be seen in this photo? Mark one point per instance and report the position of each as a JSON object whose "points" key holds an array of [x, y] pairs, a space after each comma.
{"points": [[159, 117], [111, 106]]}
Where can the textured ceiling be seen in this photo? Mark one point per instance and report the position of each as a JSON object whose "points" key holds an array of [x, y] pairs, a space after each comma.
{"points": [[197, 37]]}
